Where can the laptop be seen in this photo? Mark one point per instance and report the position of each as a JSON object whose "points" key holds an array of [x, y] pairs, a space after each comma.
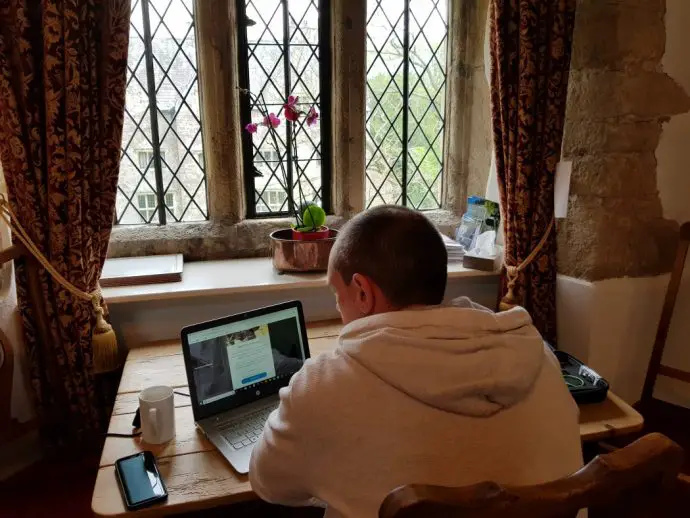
{"points": [[235, 367]]}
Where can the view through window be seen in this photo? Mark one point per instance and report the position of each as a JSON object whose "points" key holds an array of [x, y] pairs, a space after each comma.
{"points": [[283, 50], [162, 156], [406, 76]]}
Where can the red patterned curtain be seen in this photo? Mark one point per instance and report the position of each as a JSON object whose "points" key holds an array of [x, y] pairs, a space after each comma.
{"points": [[530, 45], [62, 95]]}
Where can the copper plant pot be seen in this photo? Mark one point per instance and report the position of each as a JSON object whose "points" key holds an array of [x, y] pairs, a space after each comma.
{"points": [[290, 255]]}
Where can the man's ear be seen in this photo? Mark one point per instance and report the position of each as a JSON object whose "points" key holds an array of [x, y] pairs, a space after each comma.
{"points": [[365, 299]]}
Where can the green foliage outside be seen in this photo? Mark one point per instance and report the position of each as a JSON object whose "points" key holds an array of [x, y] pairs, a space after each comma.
{"points": [[425, 127]]}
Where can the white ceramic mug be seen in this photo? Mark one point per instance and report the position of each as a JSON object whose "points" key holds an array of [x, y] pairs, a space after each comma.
{"points": [[157, 412]]}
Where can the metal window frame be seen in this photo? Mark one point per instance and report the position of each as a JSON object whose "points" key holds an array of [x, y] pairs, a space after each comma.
{"points": [[406, 134], [325, 103]]}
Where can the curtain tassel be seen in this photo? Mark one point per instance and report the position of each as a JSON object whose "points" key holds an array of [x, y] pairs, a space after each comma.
{"points": [[511, 298], [105, 351]]}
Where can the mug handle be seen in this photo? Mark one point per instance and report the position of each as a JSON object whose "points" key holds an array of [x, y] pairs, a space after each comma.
{"points": [[153, 419]]}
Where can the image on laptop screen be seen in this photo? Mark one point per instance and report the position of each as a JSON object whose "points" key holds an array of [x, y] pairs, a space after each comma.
{"points": [[237, 356]]}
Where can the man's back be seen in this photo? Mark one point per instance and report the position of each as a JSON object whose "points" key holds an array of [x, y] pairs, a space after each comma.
{"points": [[447, 396]]}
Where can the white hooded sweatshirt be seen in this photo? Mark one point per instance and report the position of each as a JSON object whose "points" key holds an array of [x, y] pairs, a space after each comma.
{"points": [[448, 396]]}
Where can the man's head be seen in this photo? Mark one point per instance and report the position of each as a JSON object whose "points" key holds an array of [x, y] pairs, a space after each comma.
{"points": [[386, 259]]}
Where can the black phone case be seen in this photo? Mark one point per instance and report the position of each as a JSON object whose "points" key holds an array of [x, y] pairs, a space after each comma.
{"points": [[584, 384], [120, 482]]}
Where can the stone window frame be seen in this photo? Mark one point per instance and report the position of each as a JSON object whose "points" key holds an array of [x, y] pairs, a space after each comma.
{"points": [[228, 233]]}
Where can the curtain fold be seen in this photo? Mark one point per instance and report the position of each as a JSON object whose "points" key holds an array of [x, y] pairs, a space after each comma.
{"points": [[530, 46], [62, 91]]}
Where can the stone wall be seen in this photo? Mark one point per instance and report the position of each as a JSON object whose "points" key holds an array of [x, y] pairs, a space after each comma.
{"points": [[468, 142], [619, 98]]}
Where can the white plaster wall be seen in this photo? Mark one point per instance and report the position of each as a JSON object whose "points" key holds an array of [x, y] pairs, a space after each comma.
{"points": [[611, 324], [140, 322], [673, 171], [673, 183], [10, 322], [24, 450]]}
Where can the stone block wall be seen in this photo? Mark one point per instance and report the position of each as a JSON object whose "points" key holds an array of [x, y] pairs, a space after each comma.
{"points": [[619, 97]]}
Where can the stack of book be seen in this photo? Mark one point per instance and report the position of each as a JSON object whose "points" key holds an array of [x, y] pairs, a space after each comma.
{"points": [[455, 250]]}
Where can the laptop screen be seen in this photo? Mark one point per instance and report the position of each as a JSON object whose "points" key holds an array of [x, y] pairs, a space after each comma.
{"points": [[236, 357]]}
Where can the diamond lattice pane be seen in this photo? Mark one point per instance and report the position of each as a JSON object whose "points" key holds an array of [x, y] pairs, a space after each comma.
{"points": [[271, 84], [427, 78], [172, 57], [388, 141], [384, 135]]}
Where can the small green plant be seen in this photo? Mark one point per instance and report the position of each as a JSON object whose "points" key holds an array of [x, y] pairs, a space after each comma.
{"points": [[313, 218]]}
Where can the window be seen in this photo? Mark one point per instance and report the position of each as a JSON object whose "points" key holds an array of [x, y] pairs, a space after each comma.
{"points": [[276, 199], [284, 50], [147, 204], [157, 164], [392, 52], [405, 95], [268, 155], [146, 157]]}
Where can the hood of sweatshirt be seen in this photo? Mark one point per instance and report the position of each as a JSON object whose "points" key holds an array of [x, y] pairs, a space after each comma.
{"points": [[460, 358]]}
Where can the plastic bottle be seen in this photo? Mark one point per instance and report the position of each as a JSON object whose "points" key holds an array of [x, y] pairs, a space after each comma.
{"points": [[471, 223]]}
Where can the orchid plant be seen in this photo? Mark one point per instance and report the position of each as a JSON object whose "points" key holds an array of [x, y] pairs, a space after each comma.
{"points": [[308, 216]]}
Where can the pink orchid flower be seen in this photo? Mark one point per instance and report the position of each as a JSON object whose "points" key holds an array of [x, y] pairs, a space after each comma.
{"points": [[271, 120], [251, 127], [290, 109], [312, 116]]}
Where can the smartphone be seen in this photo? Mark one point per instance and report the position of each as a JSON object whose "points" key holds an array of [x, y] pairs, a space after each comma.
{"points": [[140, 481]]}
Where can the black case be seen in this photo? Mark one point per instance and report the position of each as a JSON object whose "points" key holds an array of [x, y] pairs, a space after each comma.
{"points": [[148, 455], [585, 385]]}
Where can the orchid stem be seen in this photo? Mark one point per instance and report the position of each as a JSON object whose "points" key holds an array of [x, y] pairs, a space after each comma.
{"points": [[302, 199], [272, 132], [260, 104]]}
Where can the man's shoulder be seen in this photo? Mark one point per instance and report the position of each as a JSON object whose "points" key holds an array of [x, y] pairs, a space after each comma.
{"points": [[323, 367], [321, 375]]}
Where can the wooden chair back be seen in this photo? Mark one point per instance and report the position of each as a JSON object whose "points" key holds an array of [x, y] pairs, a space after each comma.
{"points": [[625, 483], [655, 368]]}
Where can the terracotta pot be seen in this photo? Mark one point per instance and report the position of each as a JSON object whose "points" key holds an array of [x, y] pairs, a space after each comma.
{"points": [[320, 233], [293, 255]]}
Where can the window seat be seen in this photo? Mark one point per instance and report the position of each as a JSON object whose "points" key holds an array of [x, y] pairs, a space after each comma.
{"points": [[213, 289], [236, 277]]}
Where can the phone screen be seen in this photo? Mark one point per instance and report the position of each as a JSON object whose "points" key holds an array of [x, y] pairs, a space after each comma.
{"points": [[140, 480]]}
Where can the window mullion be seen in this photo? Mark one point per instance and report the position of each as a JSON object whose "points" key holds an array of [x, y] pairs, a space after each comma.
{"points": [[406, 97], [286, 93], [325, 93], [153, 112]]}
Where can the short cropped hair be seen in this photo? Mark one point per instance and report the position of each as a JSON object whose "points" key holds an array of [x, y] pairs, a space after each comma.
{"points": [[397, 248]]}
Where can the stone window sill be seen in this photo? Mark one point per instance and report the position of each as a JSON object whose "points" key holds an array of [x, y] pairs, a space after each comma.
{"points": [[237, 276], [214, 240]]}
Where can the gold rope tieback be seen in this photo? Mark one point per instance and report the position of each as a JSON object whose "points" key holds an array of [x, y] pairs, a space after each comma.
{"points": [[510, 299], [106, 355]]}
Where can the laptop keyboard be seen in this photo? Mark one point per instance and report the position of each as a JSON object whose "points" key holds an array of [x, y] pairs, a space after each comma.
{"points": [[247, 430]]}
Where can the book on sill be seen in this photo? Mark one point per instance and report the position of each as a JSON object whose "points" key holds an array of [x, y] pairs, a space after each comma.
{"points": [[454, 249], [136, 271]]}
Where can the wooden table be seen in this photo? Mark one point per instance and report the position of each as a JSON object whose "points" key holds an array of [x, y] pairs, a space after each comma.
{"points": [[196, 475]]}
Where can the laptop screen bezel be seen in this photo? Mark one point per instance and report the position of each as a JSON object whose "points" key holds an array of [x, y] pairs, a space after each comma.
{"points": [[243, 397]]}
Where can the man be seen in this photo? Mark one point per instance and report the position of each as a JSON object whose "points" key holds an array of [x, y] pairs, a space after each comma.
{"points": [[416, 392]]}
